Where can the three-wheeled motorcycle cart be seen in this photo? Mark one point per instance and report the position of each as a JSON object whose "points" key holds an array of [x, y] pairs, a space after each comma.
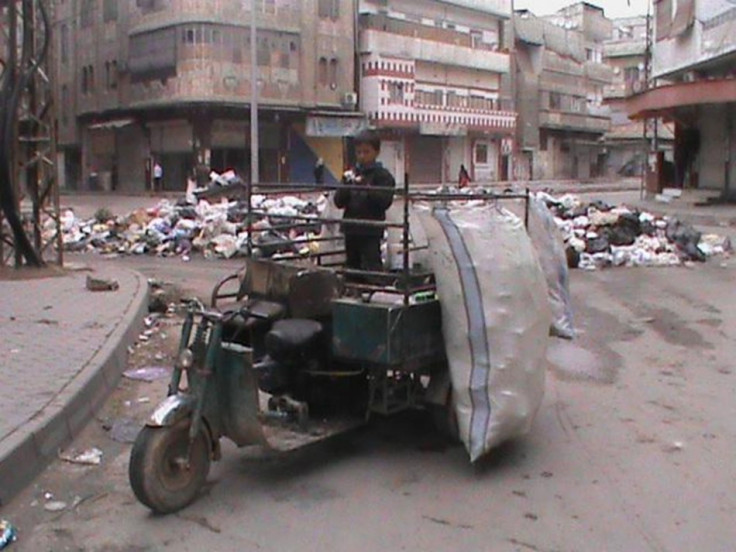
{"points": [[292, 350]]}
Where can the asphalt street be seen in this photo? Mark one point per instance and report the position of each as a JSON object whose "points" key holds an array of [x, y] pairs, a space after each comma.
{"points": [[632, 450]]}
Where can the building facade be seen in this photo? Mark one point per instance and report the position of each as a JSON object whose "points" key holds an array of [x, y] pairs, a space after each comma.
{"points": [[435, 79], [169, 82], [560, 81], [694, 62]]}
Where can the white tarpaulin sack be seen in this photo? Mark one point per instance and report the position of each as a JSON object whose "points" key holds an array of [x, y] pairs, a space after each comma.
{"points": [[550, 247], [496, 320]]}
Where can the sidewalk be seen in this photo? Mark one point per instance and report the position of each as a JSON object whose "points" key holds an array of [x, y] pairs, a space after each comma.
{"points": [[62, 350]]}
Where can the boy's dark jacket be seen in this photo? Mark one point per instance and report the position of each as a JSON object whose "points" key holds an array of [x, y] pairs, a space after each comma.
{"points": [[370, 204]]}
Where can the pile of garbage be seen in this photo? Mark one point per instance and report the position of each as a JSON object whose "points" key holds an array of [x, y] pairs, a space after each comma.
{"points": [[599, 235], [216, 230]]}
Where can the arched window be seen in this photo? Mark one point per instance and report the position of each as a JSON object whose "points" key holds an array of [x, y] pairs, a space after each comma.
{"points": [[333, 73], [322, 72]]}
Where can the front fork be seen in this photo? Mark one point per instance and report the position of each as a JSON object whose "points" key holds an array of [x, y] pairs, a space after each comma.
{"points": [[178, 405]]}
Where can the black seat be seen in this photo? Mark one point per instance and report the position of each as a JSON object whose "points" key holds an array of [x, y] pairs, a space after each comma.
{"points": [[293, 339]]}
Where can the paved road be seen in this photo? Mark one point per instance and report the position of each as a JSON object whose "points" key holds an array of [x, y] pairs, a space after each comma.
{"points": [[632, 450]]}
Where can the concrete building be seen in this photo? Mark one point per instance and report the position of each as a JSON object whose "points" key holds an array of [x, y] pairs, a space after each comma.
{"points": [[560, 82], [169, 81], [694, 62], [625, 52], [435, 78]]}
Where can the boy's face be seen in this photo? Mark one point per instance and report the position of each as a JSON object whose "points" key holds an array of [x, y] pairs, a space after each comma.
{"points": [[365, 154]]}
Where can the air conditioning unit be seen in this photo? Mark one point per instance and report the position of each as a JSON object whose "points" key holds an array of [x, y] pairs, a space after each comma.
{"points": [[350, 99]]}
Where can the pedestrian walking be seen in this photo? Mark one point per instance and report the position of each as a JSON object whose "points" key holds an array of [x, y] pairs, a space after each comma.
{"points": [[158, 177]]}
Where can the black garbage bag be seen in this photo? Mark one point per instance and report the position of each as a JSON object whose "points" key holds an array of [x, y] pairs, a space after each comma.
{"points": [[573, 257], [187, 212], [600, 205], [598, 245], [686, 238], [625, 231], [648, 228]]}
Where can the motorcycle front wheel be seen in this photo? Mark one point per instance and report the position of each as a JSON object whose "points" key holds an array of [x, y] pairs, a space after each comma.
{"points": [[163, 475]]}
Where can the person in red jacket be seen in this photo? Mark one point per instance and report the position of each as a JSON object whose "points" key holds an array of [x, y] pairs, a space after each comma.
{"points": [[362, 242]]}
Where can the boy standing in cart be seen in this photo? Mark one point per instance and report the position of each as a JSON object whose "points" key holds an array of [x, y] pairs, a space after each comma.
{"points": [[363, 242]]}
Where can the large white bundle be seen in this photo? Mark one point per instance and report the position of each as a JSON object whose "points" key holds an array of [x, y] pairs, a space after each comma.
{"points": [[496, 320]]}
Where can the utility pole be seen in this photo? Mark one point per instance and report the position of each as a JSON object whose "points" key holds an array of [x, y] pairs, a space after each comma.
{"points": [[647, 73], [254, 140]]}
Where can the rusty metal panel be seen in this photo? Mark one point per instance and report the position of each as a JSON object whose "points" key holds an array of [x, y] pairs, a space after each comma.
{"points": [[386, 334]]}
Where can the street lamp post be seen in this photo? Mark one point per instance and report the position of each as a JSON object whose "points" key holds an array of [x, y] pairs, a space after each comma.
{"points": [[254, 143]]}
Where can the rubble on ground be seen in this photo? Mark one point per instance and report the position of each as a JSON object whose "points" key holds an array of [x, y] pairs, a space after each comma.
{"points": [[599, 235]]}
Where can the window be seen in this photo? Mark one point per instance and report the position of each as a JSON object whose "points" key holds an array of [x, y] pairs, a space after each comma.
{"points": [[329, 9], [589, 54], [481, 154], [85, 81], [396, 92], [333, 73], [64, 43], [110, 11], [555, 101], [263, 53], [542, 139], [266, 6], [322, 72], [631, 74], [91, 79], [476, 39], [86, 14], [64, 105], [111, 75]]}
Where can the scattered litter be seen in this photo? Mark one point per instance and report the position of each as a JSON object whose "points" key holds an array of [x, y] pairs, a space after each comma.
{"points": [[143, 400], [8, 534], [149, 373], [212, 221], [125, 430], [90, 457], [675, 446], [55, 506], [143, 337], [599, 235], [97, 284], [48, 496]]}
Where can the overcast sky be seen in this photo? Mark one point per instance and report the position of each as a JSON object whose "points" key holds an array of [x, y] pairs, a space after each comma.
{"points": [[613, 8]]}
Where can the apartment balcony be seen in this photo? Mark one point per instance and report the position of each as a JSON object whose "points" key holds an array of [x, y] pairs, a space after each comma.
{"points": [[579, 122], [398, 46], [446, 121], [599, 72], [287, 21], [557, 64]]}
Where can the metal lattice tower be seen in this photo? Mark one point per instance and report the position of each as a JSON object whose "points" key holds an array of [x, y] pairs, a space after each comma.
{"points": [[31, 235]]}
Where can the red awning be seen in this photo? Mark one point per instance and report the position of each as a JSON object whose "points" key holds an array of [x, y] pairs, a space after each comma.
{"points": [[661, 101]]}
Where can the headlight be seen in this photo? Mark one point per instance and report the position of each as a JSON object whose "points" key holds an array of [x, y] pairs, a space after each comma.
{"points": [[186, 359]]}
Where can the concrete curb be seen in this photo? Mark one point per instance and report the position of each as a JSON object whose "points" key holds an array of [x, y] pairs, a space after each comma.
{"points": [[28, 451]]}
